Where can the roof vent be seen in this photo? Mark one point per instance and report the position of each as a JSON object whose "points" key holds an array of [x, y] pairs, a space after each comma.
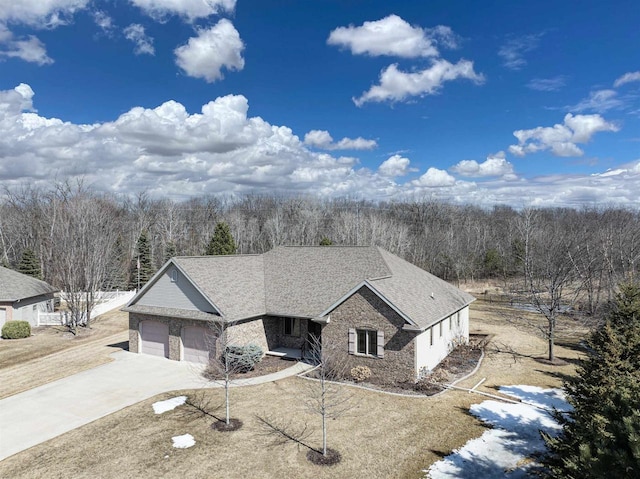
{"points": [[432, 295]]}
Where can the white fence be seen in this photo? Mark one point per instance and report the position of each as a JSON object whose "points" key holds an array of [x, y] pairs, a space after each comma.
{"points": [[107, 301]]}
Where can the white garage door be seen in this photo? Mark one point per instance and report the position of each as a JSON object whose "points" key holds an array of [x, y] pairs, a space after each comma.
{"points": [[196, 344], [155, 338]]}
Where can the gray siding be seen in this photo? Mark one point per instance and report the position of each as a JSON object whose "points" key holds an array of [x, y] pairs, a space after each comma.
{"points": [[27, 309], [178, 295]]}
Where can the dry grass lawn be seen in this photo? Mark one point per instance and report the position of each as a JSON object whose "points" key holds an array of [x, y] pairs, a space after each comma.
{"points": [[385, 436], [52, 353]]}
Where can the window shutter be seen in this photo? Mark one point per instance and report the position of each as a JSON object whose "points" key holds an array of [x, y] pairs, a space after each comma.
{"points": [[381, 344], [352, 341]]}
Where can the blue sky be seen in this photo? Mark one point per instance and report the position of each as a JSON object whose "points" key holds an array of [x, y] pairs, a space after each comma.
{"points": [[534, 103]]}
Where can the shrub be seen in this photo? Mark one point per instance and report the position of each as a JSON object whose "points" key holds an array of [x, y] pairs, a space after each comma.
{"points": [[433, 382], [244, 358], [360, 373], [16, 330]]}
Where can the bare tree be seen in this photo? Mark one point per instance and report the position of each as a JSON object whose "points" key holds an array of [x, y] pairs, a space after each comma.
{"points": [[548, 270], [84, 231], [226, 361], [323, 396]]}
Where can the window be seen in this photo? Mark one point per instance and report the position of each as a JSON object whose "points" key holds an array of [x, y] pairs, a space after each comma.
{"points": [[458, 319], [441, 327], [431, 336], [367, 342], [174, 275], [291, 327], [450, 323]]}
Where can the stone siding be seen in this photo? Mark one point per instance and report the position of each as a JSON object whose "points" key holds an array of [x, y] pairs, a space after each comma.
{"points": [[365, 310], [250, 331], [273, 326]]}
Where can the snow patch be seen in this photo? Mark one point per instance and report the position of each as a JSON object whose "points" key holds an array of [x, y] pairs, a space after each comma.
{"points": [[184, 441], [504, 451], [164, 406]]}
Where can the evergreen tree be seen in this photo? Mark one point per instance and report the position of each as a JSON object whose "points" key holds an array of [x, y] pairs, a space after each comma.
{"points": [[221, 242], [325, 241], [601, 436], [169, 251], [117, 276], [142, 268], [30, 264]]}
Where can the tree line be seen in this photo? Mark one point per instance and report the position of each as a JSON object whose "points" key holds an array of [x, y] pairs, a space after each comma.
{"points": [[103, 241]]}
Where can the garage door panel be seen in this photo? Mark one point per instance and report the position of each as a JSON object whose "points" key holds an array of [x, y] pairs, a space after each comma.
{"points": [[155, 338], [198, 344]]}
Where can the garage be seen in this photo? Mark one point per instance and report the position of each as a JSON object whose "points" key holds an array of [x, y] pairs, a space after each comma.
{"points": [[155, 338], [196, 343]]}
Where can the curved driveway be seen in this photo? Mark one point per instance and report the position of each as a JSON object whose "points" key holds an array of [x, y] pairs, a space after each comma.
{"points": [[37, 415]]}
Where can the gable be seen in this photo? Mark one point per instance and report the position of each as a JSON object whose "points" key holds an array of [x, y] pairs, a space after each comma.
{"points": [[172, 289]]}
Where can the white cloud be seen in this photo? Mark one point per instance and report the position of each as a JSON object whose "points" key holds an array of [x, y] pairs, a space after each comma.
{"points": [[396, 85], [170, 152], [37, 14], [214, 48], [561, 139], [219, 150], [40, 13], [392, 36], [143, 43], [600, 101], [188, 9], [395, 165], [627, 78], [30, 49], [494, 165], [104, 21], [323, 140], [434, 178], [547, 84], [513, 51]]}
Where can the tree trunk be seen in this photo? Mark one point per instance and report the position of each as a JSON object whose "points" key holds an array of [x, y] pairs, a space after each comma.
{"points": [[226, 398], [552, 330]]}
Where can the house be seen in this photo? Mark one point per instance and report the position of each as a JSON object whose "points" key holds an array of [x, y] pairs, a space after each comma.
{"points": [[372, 307], [23, 297]]}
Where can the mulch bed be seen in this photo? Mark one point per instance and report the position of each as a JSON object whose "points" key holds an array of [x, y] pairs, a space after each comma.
{"points": [[268, 365], [222, 426], [332, 457], [460, 362]]}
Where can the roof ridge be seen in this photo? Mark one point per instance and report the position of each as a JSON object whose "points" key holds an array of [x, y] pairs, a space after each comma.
{"points": [[325, 246], [204, 256]]}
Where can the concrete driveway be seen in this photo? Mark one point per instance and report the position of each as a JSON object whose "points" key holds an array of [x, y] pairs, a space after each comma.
{"points": [[37, 415]]}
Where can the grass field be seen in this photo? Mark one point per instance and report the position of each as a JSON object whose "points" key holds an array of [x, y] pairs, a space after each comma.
{"points": [[52, 352], [384, 436]]}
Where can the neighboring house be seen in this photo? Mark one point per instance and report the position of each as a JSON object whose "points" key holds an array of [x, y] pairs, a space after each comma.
{"points": [[23, 297], [370, 306]]}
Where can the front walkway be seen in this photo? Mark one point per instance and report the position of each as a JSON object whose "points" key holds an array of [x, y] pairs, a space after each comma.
{"points": [[37, 415]]}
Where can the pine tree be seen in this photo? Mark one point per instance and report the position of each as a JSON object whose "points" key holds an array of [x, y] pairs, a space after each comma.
{"points": [[142, 268], [169, 251], [117, 276], [601, 436], [29, 264], [221, 242], [325, 241]]}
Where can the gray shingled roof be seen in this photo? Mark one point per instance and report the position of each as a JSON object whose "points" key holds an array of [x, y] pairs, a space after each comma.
{"points": [[304, 281], [234, 284], [15, 286], [307, 281], [410, 289]]}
